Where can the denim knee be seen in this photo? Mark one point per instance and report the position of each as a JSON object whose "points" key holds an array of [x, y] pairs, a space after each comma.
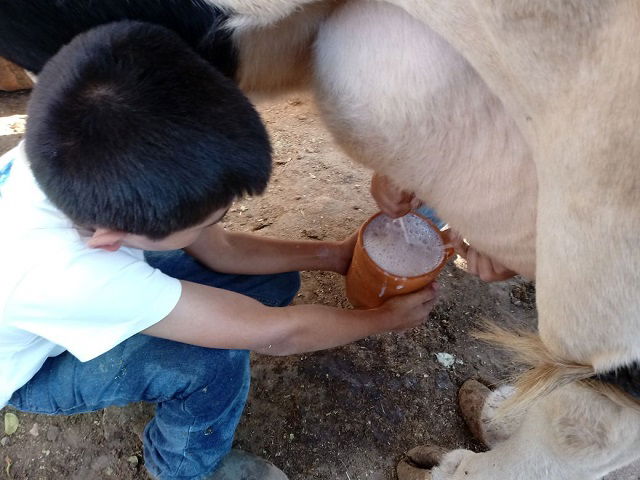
{"points": [[192, 431], [218, 380], [287, 285], [168, 370], [188, 368]]}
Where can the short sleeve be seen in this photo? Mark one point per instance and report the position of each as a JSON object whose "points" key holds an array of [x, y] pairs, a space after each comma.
{"points": [[90, 303]]}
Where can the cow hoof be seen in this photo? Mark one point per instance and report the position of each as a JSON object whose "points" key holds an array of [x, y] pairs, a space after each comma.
{"points": [[419, 462], [426, 456], [406, 471], [471, 397]]}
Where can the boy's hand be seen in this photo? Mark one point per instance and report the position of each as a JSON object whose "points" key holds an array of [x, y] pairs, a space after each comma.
{"points": [[344, 253], [411, 310], [392, 200], [478, 264]]}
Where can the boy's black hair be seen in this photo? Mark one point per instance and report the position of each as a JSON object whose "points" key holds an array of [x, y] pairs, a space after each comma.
{"points": [[130, 129]]}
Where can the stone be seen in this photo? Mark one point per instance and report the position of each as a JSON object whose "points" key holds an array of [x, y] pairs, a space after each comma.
{"points": [[445, 359]]}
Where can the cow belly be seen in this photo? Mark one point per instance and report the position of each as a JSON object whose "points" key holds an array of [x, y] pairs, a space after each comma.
{"points": [[400, 100]]}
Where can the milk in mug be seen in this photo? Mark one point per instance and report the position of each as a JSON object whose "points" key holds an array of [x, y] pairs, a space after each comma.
{"points": [[415, 251]]}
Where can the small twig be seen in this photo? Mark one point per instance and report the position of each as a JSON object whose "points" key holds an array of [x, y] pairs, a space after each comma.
{"points": [[8, 468], [345, 469]]}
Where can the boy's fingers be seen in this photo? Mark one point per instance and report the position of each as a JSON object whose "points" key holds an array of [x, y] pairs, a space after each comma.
{"points": [[425, 295]]}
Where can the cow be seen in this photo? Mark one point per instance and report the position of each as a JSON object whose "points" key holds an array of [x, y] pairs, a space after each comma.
{"points": [[485, 132], [516, 121]]}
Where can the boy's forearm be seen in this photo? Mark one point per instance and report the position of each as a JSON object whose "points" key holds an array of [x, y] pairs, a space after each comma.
{"points": [[215, 318], [317, 327], [253, 255]]}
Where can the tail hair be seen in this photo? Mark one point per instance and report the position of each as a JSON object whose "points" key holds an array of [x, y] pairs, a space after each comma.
{"points": [[545, 371]]}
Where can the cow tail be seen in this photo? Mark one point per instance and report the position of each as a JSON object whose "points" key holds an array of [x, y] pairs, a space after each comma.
{"points": [[544, 372]]}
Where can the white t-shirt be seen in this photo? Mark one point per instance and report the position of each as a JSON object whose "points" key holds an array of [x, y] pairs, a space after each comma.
{"points": [[56, 293]]}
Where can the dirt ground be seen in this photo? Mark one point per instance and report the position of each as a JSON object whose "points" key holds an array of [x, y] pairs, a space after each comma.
{"points": [[348, 413]]}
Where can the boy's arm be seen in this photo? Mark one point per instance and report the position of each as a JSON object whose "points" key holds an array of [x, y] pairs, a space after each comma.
{"points": [[228, 252], [216, 318]]}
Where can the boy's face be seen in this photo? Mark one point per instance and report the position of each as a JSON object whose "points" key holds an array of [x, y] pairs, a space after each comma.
{"points": [[112, 240]]}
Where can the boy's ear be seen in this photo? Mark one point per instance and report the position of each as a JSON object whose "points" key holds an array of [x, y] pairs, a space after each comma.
{"points": [[106, 239]]}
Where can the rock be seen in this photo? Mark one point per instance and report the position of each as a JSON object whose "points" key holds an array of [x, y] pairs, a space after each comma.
{"points": [[11, 423], [35, 430], [445, 359], [4, 441]]}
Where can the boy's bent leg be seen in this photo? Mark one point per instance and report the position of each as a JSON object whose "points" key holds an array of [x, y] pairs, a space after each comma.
{"points": [[275, 290], [200, 394]]}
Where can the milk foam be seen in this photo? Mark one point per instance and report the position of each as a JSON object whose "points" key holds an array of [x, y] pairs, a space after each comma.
{"points": [[385, 243]]}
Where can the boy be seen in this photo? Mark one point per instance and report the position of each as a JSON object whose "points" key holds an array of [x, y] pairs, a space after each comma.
{"points": [[136, 146]]}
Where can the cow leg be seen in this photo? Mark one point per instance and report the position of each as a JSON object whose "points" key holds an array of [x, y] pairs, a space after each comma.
{"points": [[573, 434], [276, 57]]}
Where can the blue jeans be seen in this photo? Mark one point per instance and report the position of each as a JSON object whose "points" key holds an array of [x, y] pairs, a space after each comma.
{"points": [[200, 392]]}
